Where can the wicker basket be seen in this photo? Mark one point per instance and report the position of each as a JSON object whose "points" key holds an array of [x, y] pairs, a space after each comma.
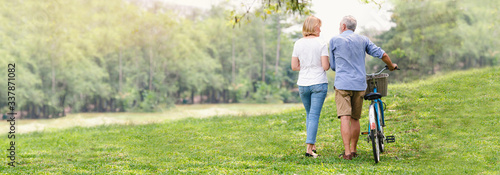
{"points": [[380, 80]]}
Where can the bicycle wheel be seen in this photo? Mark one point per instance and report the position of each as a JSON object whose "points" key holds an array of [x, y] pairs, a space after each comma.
{"points": [[375, 145], [381, 139], [380, 133], [374, 133]]}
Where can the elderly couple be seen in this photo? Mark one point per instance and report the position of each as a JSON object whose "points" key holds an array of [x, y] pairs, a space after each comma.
{"points": [[346, 56]]}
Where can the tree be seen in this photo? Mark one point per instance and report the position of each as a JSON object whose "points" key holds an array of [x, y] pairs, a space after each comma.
{"points": [[424, 29], [116, 56]]}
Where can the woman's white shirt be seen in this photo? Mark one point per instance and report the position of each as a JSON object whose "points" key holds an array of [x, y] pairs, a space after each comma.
{"points": [[309, 52]]}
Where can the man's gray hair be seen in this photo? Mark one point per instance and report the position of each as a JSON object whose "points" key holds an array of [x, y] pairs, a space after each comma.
{"points": [[350, 22]]}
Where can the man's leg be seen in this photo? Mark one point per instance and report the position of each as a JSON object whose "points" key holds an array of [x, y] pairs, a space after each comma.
{"points": [[357, 106], [355, 129], [344, 110], [345, 130]]}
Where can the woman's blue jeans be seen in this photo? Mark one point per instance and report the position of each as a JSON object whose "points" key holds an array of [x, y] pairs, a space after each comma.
{"points": [[313, 97]]}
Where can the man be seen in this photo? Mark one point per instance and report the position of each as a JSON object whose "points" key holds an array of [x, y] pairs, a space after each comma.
{"points": [[347, 59]]}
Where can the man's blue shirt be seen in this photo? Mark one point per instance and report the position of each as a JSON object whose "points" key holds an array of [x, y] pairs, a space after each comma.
{"points": [[347, 59]]}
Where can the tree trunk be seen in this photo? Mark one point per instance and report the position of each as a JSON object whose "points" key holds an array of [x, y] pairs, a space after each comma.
{"points": [[102, 104], [44, 112], [217, 95], [33, 111], [63, 99], [235, 99], [467, 62], [27, 110], [150, 69], [96, 104], [208, 95], [53, 78], [278, 46], [120, 72], [250, 74], [192, 96], [214, 95], [112, 105], [432, 64], [481, 61], [122, 106], [263, 54], [224, 91], [38, 111], [233, 62], [137, 79]]}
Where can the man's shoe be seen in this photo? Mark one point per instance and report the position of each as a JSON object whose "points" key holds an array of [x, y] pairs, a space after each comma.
{"points": [[345, 157], [354, 155]]}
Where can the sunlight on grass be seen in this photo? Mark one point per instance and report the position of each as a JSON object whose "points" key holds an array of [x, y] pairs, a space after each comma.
{"points": [[128, 118]]}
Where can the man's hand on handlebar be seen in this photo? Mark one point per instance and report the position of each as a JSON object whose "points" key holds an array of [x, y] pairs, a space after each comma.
{"points": [[393, 67]]}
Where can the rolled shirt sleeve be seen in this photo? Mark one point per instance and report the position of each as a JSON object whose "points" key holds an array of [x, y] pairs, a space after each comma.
{"points": [[373, 49]]}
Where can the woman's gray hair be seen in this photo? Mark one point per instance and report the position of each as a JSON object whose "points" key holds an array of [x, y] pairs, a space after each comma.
{"points": [[350, 22]]}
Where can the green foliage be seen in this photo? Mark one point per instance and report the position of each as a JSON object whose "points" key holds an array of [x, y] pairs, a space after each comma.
{"points": [[149, 102], [440, 124], [439, 36], [270, 7], [273, 7], [107, 56], [267, 94]]}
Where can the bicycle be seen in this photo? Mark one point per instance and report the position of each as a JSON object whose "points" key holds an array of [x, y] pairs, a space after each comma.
{"points": [[376, 113]]}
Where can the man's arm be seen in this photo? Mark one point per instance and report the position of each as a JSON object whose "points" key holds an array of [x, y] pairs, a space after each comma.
{"points": [[376, 51], [387, 60]]}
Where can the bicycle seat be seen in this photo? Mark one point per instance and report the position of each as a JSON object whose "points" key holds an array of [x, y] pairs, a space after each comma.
{"points": [[373, 96]]}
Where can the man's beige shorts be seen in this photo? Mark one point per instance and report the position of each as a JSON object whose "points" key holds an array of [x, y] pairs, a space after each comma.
{"points": [[349, 103]]}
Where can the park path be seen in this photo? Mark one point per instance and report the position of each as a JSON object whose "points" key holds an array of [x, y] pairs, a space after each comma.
{"points": [[128, 118]]}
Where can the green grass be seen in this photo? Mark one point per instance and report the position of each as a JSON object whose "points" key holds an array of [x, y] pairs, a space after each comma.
{"points": [[443, 125]]}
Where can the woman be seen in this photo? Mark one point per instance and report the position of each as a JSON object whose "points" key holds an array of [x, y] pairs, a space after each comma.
{"points": [[310, 58]]}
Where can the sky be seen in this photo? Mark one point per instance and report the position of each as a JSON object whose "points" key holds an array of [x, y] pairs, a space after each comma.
{"points": [[368, 15], [329, 11]]}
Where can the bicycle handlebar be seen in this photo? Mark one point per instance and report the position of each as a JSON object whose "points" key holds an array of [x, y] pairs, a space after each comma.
{"points": [[385, 68]]}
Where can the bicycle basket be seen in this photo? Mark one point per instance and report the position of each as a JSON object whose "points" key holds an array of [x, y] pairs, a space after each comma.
{"points": [[380, 80]]}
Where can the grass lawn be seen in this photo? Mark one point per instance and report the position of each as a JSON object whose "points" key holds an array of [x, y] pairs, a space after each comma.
{"points": [[443, 125]]}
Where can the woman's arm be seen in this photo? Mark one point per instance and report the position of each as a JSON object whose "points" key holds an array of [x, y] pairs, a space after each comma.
{"points": [[295, 64], [325, 63]]}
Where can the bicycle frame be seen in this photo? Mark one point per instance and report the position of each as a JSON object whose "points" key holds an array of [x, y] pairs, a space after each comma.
{"points": [[377, 120], [380, 118]]}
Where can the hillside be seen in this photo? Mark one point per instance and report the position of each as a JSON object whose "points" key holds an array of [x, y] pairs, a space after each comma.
{"points": [[445, 124]]}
